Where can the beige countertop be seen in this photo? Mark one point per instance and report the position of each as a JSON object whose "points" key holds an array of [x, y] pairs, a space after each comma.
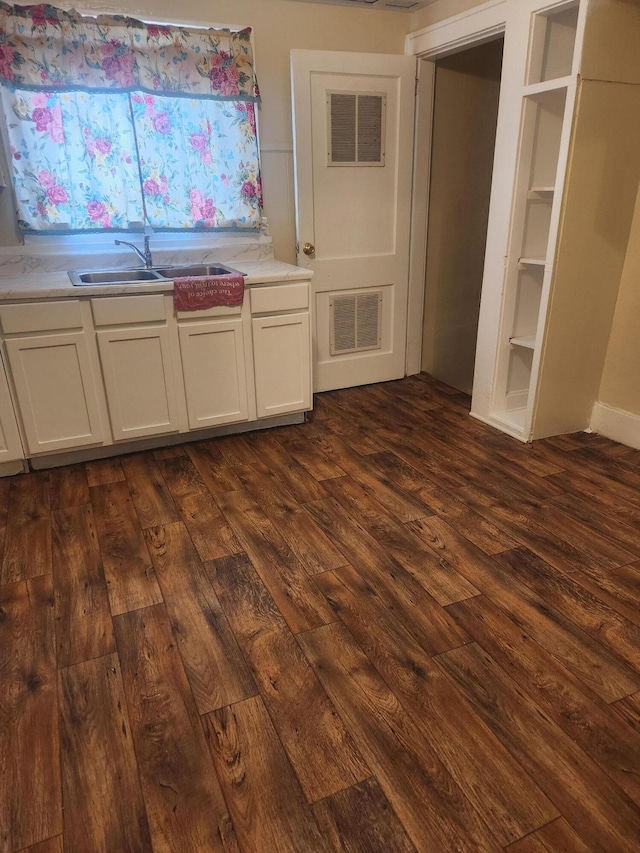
{"points": [[56, 285]]}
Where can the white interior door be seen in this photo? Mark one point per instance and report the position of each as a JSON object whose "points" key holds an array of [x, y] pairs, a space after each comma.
{"points": [[353, 149]]}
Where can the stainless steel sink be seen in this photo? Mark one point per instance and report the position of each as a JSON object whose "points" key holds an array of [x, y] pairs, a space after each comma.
{"points": [[195, 270], [113, 276], [131, 276]]}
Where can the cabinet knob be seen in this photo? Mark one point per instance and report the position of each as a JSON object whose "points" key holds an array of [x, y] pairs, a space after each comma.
{"points": [[309, 249]]}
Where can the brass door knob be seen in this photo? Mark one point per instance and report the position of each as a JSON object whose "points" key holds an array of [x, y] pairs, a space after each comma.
{"points": [[309, 249]]}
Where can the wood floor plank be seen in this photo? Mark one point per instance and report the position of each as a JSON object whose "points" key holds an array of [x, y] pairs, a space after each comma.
{"points": [[169, 452], [353, 430], [103, 471], [236, 450], [589, 722], [427, 621], [583, 793], [184, 803], [69, 486], [487, 775], [83, 617], [27, 541], [596, 618], [287, 470], [297, 597], [607, 676], [319, 747], [437, 471], [215, 667], [591, 515], [51, 845], [5, 484], [442, 582], [318, 464], [216, 473], [360, 819], [555, 837], [103, 805], [209, 532], [629, 709], [432, 808], [363, 471], [149, 492], [29, 745], [129, 573], [248, 757], [308, 542]]}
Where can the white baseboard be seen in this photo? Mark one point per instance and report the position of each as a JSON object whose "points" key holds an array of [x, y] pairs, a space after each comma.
{"points": [[616, 424]]}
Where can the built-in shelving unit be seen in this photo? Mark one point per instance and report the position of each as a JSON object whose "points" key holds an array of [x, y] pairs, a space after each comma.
{"points": [[546, 111]]}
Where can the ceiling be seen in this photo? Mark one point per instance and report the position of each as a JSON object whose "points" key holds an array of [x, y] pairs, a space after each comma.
{"points": [[390, 5]]}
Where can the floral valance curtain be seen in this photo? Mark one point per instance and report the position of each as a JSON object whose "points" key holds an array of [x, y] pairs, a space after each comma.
{"points": [[43, 47], [113, 123]]}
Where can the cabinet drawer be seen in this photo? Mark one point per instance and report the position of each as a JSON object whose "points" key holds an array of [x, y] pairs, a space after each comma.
{"points": [[42, 316], [280, 297], [121, 310]]}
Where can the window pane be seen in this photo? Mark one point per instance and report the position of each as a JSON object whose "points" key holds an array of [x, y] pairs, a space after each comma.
{"points": [[199, 162], [73, 158]]}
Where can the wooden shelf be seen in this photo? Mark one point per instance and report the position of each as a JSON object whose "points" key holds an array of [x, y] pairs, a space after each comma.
{"points": [[548, 86], [528, 341], [536, 192], [537, 262]]}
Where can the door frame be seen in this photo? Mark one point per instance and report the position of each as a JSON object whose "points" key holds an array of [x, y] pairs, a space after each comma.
{"points": [[478, 25]]}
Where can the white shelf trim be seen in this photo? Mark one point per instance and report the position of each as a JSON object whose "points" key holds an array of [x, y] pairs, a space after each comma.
{"points": [[537, 262], [548, 86], [528, 341]]}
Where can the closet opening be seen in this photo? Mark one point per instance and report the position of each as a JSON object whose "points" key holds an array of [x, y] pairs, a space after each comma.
{"points": [[465, 112]]}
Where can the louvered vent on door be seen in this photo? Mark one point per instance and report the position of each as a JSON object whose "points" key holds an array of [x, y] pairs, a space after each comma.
{"points": [[356, 322], [356, 129]]}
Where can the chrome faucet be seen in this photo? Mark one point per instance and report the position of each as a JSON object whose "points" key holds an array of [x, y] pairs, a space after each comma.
{"points": [[145, 256]]}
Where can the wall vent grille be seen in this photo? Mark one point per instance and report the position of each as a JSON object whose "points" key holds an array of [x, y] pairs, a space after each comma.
{"points": [[356, 129], [356, 322]]}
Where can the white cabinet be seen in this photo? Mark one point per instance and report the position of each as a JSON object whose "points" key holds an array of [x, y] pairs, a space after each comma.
{"points": [[53, 375], [131, 360], [10, 444], [138, 365], [281, 348], [559, 220], [214, 370], [281, 352]]}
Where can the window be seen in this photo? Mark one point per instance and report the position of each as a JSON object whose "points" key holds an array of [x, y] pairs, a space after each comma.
{"points": [[113, 124]]}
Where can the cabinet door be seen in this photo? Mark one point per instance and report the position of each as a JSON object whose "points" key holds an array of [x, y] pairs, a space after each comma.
{"points": [[55, 389], [10, 444], [282, 360], [138, 377], [214, 372]]}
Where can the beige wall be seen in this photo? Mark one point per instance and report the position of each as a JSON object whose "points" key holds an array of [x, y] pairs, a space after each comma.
{"points": [[440, 10], [620, 386], [279, 26], [465, 114], [599, 201]]}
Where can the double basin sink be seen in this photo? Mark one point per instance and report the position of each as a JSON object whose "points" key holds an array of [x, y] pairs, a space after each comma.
{"points": [[131, 276]]}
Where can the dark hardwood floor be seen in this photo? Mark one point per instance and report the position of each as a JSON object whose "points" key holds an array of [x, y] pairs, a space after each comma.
{"points": [[389, 629]]}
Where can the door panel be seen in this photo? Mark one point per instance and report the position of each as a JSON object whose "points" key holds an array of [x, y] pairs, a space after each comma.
{"points": [[356, 215], [137, 368], [214, 372], [56, 393]]}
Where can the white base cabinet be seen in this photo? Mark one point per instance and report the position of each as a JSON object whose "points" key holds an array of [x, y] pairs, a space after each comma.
{"points": [[137, 360], [79, 364], [214, 371], [10, 444], [281, 346]]}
